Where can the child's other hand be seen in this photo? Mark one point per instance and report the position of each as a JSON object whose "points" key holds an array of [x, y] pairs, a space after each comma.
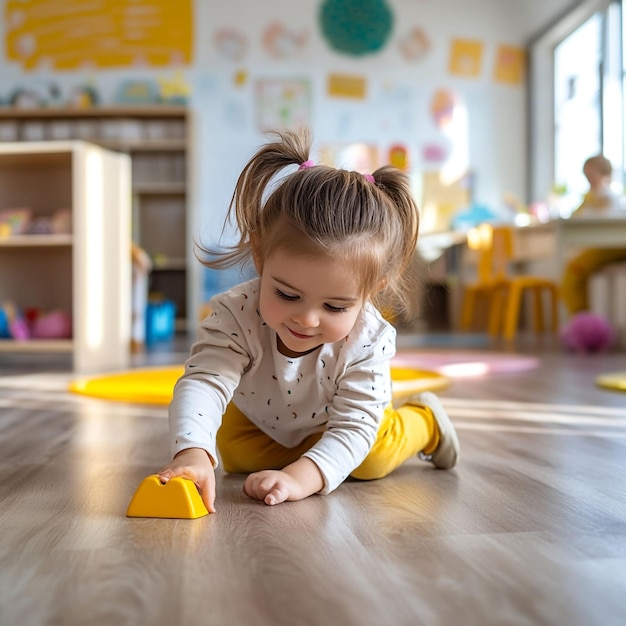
{"points": [[296, 481], [272, 487], [194, 464]]}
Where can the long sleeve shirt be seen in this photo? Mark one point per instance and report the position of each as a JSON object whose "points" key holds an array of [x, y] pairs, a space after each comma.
{"points": [[339, 389]]}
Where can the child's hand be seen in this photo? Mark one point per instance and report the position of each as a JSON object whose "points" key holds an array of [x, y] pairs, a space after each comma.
{"points": [[194, 464], [295, 482], [272, 487]]}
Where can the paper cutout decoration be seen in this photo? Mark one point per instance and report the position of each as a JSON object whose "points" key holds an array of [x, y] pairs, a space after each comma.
{"points": [[442, 107], [434, 153], [68, 34], [240, 78], [283, 103], [466, 58], [509, 66], [398, 156], [356, 27], [415, 45], [343, 86], [282, 43], [230, 44]]}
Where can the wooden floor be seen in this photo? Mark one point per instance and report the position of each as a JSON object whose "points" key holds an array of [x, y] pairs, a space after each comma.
{"points": [[529, 529]]}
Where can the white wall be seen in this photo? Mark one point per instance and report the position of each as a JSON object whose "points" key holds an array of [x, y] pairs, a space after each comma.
{"points": [[398, 96]]}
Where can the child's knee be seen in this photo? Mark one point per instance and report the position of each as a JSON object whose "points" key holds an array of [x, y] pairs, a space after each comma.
{"points": [[371, 469]]}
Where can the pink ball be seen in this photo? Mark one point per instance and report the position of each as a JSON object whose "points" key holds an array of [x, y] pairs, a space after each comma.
{"points": [[588, 332]]}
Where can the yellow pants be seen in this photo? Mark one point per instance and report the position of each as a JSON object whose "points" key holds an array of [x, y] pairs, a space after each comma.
{"points": [[574, 288], [402, 434]]}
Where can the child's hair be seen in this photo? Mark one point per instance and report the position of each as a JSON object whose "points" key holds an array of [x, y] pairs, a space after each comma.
{"points": [[367, 222], [600, 163]]}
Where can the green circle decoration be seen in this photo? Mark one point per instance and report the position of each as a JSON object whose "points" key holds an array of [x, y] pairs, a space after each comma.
{"points": [[356, 27]]}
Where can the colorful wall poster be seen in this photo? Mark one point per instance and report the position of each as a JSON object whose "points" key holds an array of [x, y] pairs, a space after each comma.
{"points": [[283, 103], [466, 58], [72, 34], [509, 65], [344, 86]]}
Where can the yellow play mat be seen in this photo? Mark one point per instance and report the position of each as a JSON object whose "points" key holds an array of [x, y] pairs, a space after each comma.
{"points": [[615, 381], [155, 385]]}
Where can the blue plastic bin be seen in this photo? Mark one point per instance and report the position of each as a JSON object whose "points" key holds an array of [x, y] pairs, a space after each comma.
{"points": [[160, 321]]}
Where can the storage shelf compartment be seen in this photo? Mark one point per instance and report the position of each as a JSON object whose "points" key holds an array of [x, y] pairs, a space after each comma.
{"points": [[36, 241], [79, 188], [36, 345]]}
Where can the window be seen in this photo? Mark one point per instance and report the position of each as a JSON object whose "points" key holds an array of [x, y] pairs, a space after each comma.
{"points": [[588, 96], [576, 101]]}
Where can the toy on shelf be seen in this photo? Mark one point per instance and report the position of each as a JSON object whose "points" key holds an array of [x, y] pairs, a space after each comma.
{"points": [[52, 325], [15, 322], [15, 221], [33, 324], [176, 499]]}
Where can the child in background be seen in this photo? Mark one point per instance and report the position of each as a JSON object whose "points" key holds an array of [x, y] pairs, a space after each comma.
{"points": [[289, 379], [599, 201]]}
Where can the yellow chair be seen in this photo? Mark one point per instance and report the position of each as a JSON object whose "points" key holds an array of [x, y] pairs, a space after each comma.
{"points": [[502, 291]]}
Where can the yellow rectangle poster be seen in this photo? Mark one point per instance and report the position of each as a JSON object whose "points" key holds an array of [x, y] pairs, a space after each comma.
{"points": [[466, 58], [72, 34], [509, 65]]}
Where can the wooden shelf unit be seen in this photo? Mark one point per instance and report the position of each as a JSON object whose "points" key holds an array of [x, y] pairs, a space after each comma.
{"points": [[156, 139], [86, 273]]}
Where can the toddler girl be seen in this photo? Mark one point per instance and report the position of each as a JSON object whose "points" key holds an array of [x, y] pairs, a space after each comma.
{"points": [[289, 379]]}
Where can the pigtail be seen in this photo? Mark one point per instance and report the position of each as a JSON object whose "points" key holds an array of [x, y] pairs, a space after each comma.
{"points": [[249, 195], [402, 278]]}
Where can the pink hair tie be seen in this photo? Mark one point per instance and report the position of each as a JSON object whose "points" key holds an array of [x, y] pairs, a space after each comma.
{"points": [[369, 178], [306, 164]]}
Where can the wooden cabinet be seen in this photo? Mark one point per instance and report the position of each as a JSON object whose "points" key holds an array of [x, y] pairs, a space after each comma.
{"points": [[156, 139], [85, 269]]}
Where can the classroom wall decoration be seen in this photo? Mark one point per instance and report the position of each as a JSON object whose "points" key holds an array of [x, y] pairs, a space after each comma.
{"points": [[415, 45], [356, 27], [509, 65], [230, 44], [283, 103], [466, 58], [398, 156], [71, 34], [281, 42], [442, 107], [346, 86]]}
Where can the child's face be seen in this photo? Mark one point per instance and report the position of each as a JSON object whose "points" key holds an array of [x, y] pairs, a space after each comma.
{"points": [[308, 301]]}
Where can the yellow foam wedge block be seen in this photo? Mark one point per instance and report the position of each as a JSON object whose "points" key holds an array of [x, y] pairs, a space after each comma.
{"points": [[177, 499]]}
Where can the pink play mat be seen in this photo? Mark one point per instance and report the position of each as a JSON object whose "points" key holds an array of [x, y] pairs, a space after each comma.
{"points": [[465, 364]]}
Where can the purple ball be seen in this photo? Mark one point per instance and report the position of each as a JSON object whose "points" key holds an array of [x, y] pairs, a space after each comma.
{"points": [[588, 332]]}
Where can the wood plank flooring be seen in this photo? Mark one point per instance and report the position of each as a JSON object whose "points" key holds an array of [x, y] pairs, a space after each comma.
{"points": [[530, 528]]}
